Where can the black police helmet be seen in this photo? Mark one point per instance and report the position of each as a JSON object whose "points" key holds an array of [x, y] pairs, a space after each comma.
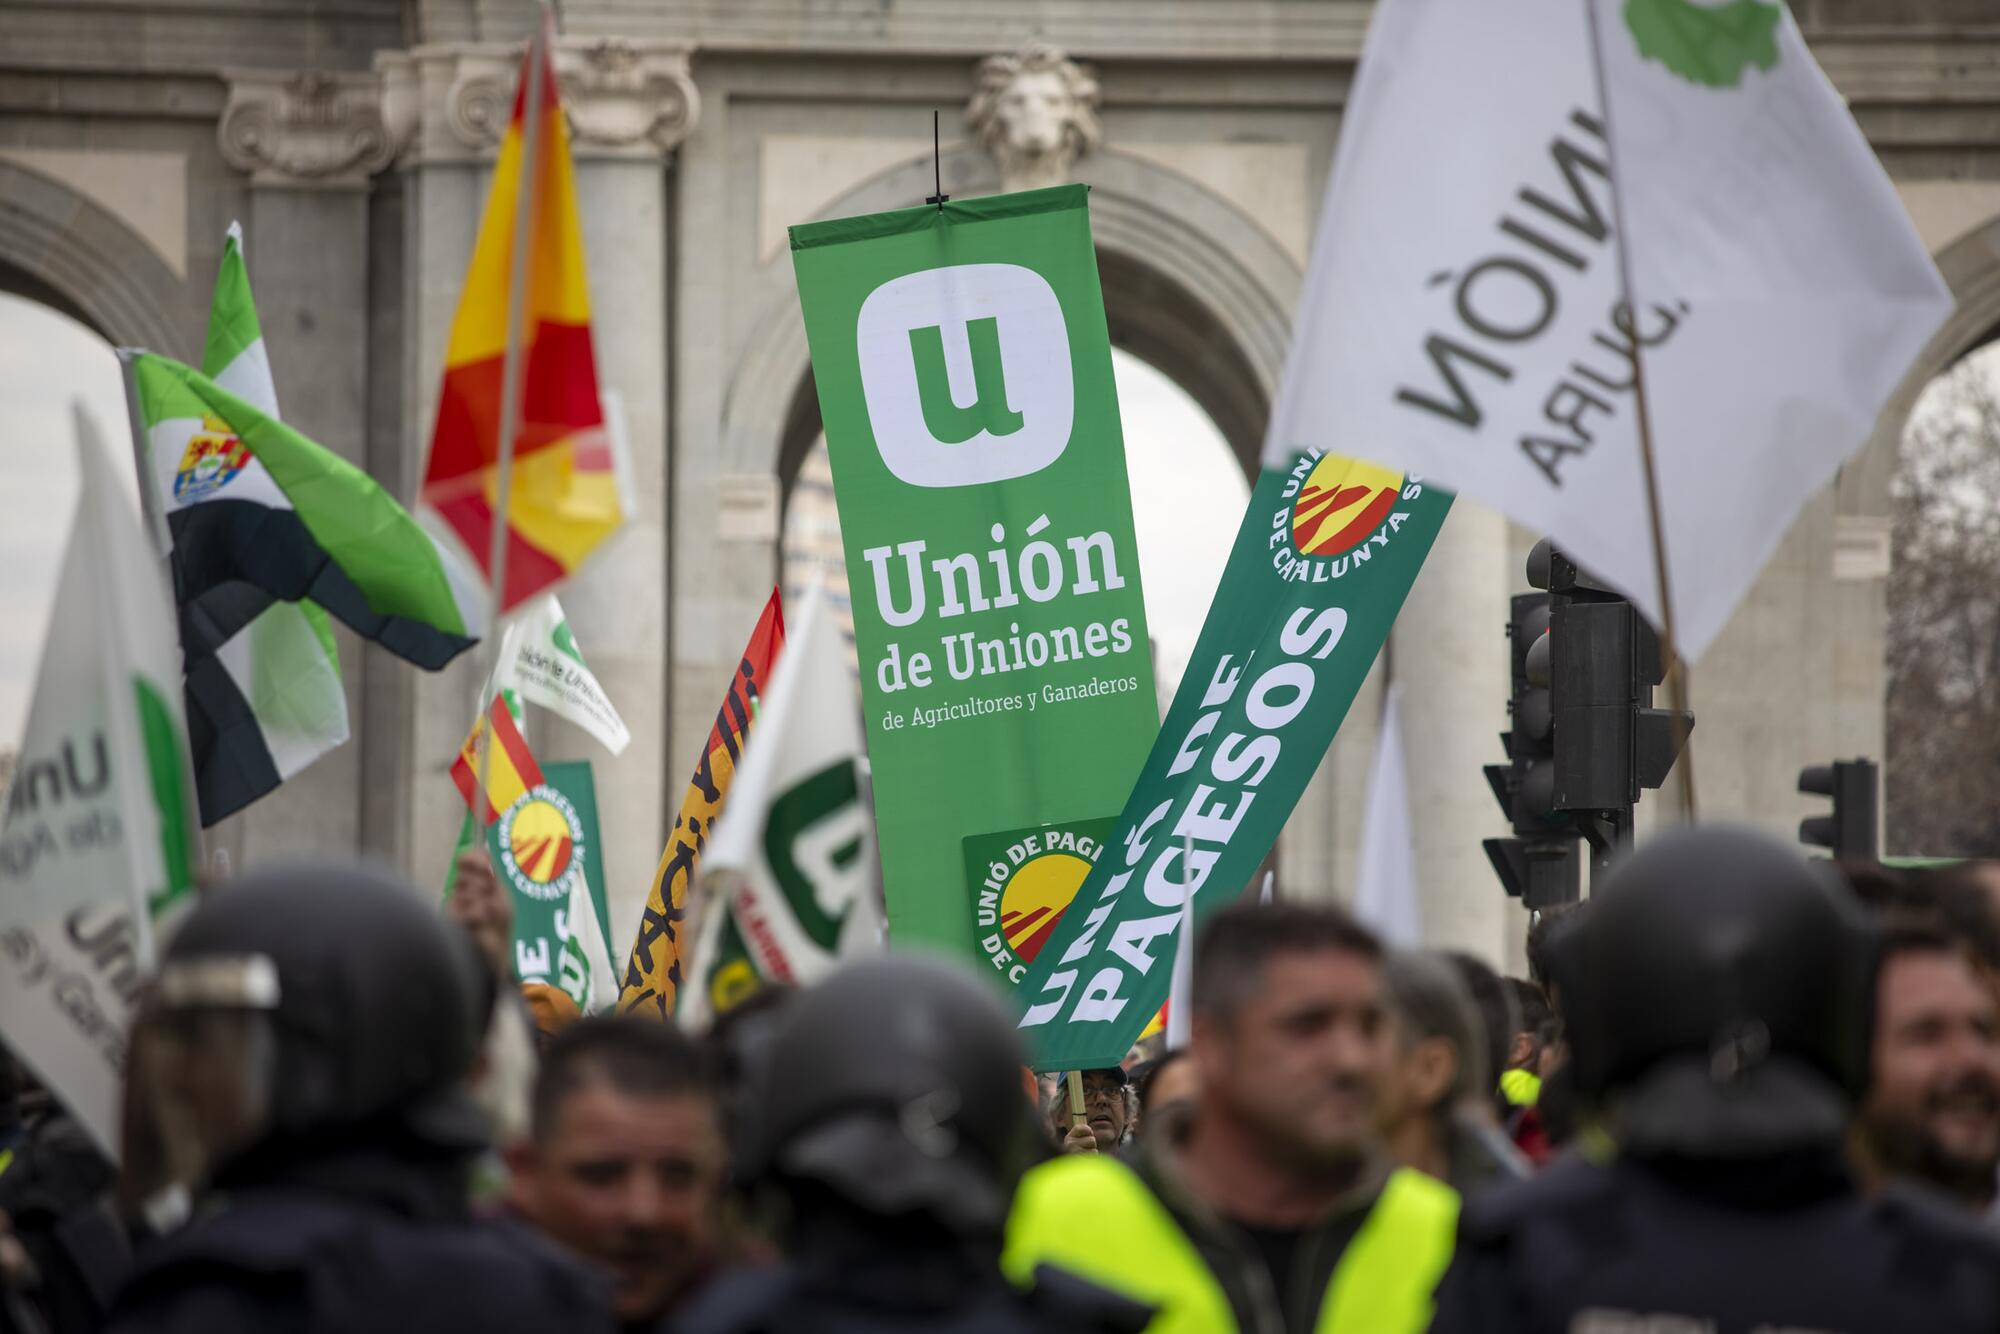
{"points": [[1718, 995], [896, 1085], [377, 1014]]}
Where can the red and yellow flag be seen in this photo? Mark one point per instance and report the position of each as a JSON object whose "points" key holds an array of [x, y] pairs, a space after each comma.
{"points": [[653, 976], [510, 771], [563, 498]]}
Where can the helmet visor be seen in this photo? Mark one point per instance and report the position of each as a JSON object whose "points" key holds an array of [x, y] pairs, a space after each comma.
{"points": [[204, 1054]]}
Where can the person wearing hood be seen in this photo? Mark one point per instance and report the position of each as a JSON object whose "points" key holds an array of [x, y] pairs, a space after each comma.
{"points": [[1436, 1112], [1717, 1000]]}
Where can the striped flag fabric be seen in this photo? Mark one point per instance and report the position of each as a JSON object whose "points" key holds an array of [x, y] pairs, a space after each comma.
{"points": [[563, 495], [511, 768], [258, 514], [653, 973], [264, 696]]}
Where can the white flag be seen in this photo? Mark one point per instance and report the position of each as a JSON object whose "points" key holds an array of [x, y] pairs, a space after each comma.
{"points": [[1462, 317], [1180, 983], [97, 838], [791, 874], [540, 660], [585, 968], [1385, 900]]}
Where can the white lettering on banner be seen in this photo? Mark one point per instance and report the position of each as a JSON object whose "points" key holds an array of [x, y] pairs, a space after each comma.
{"points": [[1206, 817], [966, 373], [1506, 299]]}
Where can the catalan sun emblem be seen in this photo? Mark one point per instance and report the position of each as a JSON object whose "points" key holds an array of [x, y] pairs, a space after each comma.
{"points": [[539, 835], [1035, 898], [210, 462], [1343, 501]]}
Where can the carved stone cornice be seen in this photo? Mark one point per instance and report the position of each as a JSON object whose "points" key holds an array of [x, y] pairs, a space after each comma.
{"points": [[311, 129], [633, 100]]}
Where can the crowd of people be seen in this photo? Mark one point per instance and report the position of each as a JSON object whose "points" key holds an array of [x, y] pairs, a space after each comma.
{"points": [[1738, 1092]]}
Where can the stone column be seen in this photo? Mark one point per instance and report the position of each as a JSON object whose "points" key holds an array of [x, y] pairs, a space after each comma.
{"points": [[629, 105], [1449, 652], [309, 143]]}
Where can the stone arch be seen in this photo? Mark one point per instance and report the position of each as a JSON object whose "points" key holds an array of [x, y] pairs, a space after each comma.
{"points": [[1971, 269], [75, 256], [1192, 285]]}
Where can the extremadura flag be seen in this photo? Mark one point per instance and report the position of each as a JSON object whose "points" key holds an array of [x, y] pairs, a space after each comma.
{"points": [[257, 513], [283, 664]]}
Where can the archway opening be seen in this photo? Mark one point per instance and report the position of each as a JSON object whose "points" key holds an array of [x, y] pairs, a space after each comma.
{"points": [[1188, 494], [1942, 717]]}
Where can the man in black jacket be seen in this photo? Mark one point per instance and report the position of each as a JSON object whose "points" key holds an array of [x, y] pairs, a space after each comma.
{"points": [[1718, 1001]]}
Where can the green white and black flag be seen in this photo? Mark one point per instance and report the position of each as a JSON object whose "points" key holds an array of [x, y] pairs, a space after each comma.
{"points": [[259, 514], [96, 843], [264, 698]]}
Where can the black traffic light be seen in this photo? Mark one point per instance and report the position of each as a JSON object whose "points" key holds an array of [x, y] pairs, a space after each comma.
{"points": [[1526, 784], [1539, 864], [1850, 830], [1608, 742]]}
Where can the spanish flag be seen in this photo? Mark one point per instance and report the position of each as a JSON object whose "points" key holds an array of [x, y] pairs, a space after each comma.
{"points": [[563, 499], [653, 976], [510, 771]]}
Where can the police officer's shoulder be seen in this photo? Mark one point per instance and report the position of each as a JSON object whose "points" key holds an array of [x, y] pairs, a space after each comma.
{"points": [[738, 1301], [496, 1275], [270, 1235], [1936, 1228], [1065, 1301], [1571, 1185], [274, 1254]]}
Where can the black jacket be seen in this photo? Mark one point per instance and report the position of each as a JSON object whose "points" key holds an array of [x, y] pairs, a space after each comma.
{"points": [[56, 1193], [1726, 1246], [849, 1275], [389, 1248]]}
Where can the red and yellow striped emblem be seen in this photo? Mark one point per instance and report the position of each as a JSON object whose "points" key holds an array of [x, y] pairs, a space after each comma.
{"points": [[511, 769]]}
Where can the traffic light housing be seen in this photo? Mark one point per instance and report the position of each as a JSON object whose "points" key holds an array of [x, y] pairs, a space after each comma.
{"points": [[1610, 742], [1850, 830], [1539, 865], [1586, 740], [1526, 783]]}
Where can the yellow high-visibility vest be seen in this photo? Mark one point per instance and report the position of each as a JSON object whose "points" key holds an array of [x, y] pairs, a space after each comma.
{"points": [[1521, 1088], [1093, 1216]]}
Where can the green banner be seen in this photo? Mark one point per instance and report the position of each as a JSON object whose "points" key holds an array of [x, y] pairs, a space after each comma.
{"points": [[964, 376], [540, 846], [1322, 563], [1022, 881]]}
